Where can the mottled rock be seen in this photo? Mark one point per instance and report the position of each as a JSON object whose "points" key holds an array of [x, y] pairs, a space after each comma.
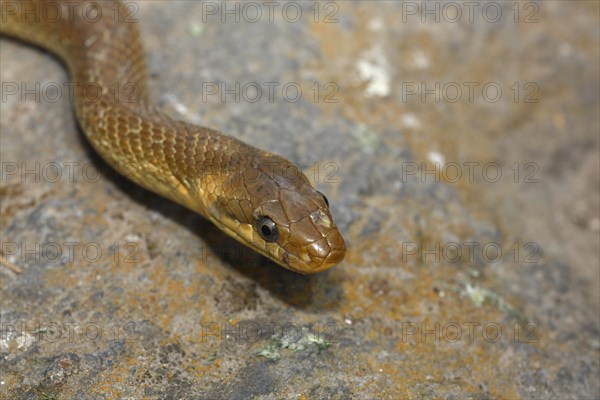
{"points": [[471, 218]]}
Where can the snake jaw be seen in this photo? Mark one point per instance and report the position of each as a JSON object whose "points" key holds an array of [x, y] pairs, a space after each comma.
{"points": [[246, 234], [304, 260]]}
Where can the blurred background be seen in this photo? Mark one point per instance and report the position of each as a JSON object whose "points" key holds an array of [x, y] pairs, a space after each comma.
{"points": [[457, 142]]}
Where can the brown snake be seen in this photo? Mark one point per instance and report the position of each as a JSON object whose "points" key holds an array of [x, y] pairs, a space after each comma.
{"points": [[259, 198]]}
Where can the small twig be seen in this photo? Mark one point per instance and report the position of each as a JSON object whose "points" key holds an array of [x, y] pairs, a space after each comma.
{"points": [[12, 267]]}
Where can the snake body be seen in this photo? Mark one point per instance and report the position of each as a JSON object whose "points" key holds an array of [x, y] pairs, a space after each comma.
{"points": [[259, 198]]}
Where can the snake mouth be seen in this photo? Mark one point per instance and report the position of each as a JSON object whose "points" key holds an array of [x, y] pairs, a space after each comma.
{"points": [[305, 268], [246, 234]]}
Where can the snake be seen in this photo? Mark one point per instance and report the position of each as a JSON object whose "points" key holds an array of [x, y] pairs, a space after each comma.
{"points": [[257, 197]]}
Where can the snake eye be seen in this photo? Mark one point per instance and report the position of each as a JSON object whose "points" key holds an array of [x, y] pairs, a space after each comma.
{"points": [[267, 229], [324, 198]]}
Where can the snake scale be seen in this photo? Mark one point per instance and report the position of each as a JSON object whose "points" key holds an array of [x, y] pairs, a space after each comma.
{"points": [[259, 198]]}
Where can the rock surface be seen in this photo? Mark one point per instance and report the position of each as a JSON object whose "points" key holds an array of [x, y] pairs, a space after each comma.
{"points": [[460, 154]]}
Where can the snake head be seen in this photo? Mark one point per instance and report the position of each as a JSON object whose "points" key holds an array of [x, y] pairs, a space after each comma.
{"points": [[297, 230], [269, 205]]}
